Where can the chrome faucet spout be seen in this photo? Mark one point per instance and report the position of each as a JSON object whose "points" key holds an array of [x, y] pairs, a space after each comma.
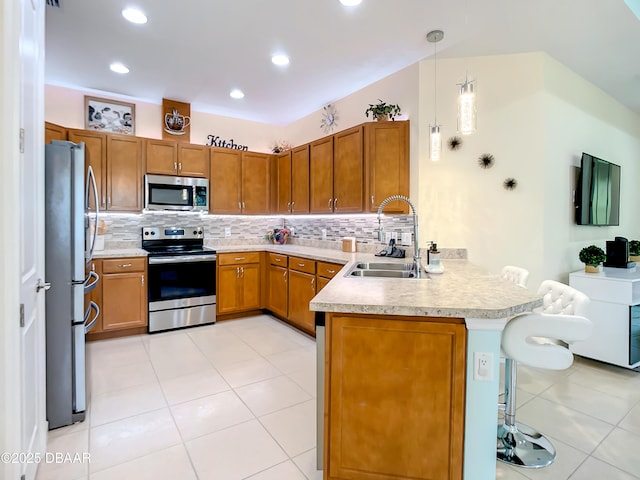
{"points": [[416, 251]]}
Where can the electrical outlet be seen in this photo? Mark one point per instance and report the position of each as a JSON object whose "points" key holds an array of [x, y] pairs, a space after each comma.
{"points": [[324, 233], [405, 239], [394, 235], [387, 237], [227, 231], [483, 366]]}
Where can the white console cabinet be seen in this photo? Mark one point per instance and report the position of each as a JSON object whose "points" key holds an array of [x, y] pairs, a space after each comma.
{"points": [[615, 313]]}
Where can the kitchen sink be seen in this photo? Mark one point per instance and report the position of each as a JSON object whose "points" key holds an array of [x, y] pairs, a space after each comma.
{"points": [[385, 266], [381, 273]]}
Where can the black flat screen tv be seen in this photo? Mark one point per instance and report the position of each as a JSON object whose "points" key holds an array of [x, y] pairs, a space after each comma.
{"points": [[598, 192]]}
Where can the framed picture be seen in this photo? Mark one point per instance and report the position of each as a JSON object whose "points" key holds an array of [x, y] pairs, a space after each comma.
{"points": [[109, 116]]}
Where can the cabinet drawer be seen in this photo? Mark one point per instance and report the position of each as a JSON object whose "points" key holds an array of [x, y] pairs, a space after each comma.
{"points": [[278, 259], [238, 258], [119, 265], [328, 270], [302, 264]]}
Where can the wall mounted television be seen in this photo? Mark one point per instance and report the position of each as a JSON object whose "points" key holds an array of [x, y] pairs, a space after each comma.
{"points": [[598, 192]]}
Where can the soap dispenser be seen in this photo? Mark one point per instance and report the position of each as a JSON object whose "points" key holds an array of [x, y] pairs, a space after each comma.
{"points": [[433, 263]]}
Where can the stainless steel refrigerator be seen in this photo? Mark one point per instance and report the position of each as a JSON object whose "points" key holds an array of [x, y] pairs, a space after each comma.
{"points": [[69, 242]]}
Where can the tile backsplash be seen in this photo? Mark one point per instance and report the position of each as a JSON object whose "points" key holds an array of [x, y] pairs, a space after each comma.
{"points": [[123, 230]]}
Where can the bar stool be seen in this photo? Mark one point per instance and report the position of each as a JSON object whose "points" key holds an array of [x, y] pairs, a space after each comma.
{"points": [[538, 339], [517, 275]]}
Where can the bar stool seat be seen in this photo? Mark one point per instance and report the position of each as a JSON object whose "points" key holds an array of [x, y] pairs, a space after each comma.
{"points": [[538, 339]]}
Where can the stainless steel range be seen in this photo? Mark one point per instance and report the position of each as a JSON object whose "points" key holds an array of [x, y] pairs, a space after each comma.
{"points": [[182, 278]]}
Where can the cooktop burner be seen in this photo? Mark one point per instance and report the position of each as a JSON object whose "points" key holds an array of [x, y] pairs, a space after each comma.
{"points": [[174, 241]]}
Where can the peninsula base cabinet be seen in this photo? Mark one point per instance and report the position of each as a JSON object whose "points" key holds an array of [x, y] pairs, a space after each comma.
{"points": [[614, 311], [394, 397], [302, 288]]}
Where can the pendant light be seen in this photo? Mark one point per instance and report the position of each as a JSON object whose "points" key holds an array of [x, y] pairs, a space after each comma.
{"points": [[467, 119], [435, 139]]}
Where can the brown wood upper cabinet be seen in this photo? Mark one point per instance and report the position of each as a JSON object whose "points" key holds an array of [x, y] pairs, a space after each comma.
{"points": [[386, 153], [239, 181], [166, 157], [293, 181], [336, 173], [54, 132], [116, 161]]}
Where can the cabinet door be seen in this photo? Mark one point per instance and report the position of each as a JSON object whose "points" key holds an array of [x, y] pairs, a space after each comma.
{"points": [[321, 176], [124, 173], [283, 185], [404, 380], [300, 179], [193, 160], [348, 171], [229, 294], [387, 164], [224, 182], [322, 282], [54, 132], [277, 295], [161, 157], [250, 276], [124, 297], [302, 288], [255, 182], [95, 154]]}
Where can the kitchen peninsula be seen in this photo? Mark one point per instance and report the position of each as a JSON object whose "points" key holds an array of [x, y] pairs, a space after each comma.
{"points": [[401, 396]]}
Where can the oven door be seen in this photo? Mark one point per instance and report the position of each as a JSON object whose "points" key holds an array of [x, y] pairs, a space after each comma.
{"points": [[181, 277]]}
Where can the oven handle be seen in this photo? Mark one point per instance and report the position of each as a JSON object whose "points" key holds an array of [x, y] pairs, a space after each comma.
{"points": [[182, 259]]}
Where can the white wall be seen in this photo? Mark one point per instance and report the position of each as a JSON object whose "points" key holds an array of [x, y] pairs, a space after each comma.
{"points": [[65, 106]]}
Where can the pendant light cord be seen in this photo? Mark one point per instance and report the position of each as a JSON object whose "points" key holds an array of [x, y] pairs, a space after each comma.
{"points": [[435, 76]]}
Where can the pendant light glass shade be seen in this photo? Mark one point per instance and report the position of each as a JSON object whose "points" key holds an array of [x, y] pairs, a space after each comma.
{"points": [[435, 139], [435, 143], [467, 118]]}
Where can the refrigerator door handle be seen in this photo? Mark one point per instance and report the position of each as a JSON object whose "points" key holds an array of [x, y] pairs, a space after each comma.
{"points": [[90, 286], [89, 326], [91, 181]]}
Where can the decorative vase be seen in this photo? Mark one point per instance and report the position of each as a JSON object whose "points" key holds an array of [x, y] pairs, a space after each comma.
{"points": [[592, 268], [381, 117], [634, 258]]}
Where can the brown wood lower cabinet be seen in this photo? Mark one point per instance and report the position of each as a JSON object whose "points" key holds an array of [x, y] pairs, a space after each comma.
{"points": [[238, 282], [395, 390], [302, 288], [278, 292], [124, 293]]}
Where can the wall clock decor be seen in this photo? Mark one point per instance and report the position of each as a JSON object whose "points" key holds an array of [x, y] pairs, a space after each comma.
{"points": [[486, 160], [329, 118]]}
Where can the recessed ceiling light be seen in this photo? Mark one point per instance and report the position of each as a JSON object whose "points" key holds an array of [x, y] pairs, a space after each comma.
{"points": [[118, 68], [350, 3], [280, 60], [134, 15], [236, 94]]}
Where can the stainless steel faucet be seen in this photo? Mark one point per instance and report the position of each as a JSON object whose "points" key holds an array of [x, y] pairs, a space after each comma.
{"points": [[416, 251]]}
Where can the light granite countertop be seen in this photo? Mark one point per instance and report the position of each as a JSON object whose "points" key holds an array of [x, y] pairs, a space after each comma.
{"points": [[463, 290]]}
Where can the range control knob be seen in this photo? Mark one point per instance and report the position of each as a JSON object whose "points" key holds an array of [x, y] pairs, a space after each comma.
{"points": [[146, 233], [153, 233], [195, 232]]}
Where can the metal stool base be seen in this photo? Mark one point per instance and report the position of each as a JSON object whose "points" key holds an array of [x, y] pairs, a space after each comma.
{"points": [[523, 446]]}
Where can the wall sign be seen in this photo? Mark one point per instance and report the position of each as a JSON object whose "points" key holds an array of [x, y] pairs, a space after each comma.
{"points": [[216, 141]]}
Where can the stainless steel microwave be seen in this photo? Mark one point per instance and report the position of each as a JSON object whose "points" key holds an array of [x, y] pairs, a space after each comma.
{"points": [[165, 192]]}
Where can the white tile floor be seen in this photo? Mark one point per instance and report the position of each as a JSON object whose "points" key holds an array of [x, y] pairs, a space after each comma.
{"points": [[236, 400]]}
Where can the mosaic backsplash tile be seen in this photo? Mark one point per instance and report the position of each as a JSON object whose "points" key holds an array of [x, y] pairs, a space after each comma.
{"points": [[123, 230]]}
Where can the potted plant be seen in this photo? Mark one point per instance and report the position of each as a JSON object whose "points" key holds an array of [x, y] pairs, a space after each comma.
{"points": [[382, 111], [592, 256], [634, 251]]}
